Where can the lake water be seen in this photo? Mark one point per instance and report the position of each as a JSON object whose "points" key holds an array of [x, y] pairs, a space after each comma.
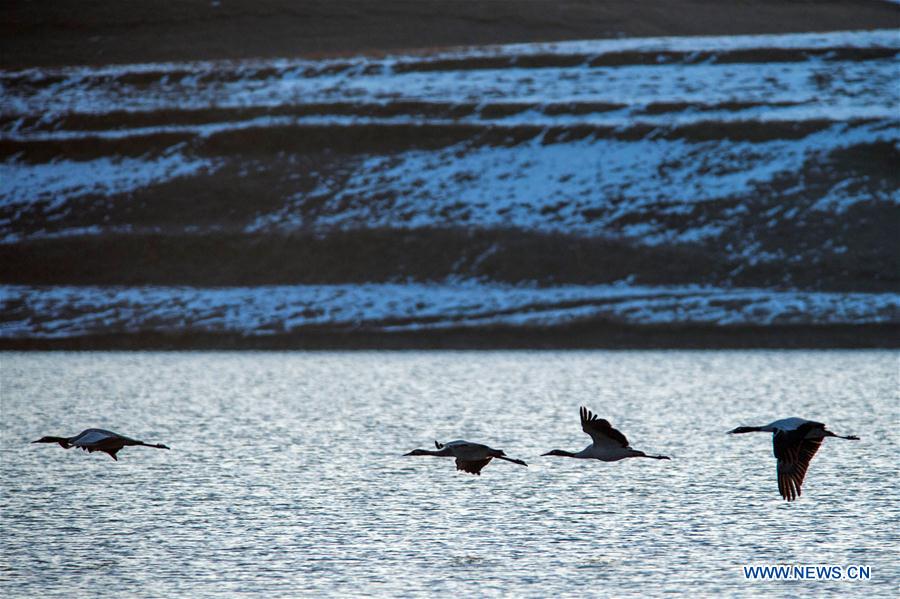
{"points": [[285, 476]]}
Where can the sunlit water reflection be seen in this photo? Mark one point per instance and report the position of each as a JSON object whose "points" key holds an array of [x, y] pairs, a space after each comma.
{"points": [[285, 475]]}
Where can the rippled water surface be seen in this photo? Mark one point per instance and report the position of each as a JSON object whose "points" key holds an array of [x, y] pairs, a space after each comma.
{"points": [[285, 475]]}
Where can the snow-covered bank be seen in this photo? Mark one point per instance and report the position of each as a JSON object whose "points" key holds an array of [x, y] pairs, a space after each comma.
{"points": [[752, 164], [658, 140], [30, 312]]}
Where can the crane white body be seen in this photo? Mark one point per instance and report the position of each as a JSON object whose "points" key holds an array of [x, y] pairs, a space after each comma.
{"points": [[470, 457], [98, 439], [609, 445]]}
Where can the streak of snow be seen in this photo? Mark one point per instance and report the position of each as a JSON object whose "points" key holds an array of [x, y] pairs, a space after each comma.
{"points": [[70, 311], [823, 89], [57, 181], [584, 185]]}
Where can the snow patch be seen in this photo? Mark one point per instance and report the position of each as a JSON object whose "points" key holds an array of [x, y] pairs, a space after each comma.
{"points": [[54, 183], [41, 312]]}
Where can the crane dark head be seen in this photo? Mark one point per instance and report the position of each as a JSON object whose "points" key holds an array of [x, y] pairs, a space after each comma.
{"points": [[559, 452]]}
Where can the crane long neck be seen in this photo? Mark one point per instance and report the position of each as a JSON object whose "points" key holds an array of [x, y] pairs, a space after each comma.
{"points": [[566, 454], [753, 429], [63, 441], [444, 452]]}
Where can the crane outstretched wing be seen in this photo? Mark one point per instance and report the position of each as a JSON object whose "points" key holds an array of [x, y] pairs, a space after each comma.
{"points": [[600, 430], [794, 452]]}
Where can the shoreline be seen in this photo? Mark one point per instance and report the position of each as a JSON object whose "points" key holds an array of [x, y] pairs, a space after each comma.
{"points": [[581, 336]]}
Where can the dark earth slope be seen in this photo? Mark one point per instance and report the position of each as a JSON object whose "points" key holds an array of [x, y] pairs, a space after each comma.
{"points": [[61, 32]]}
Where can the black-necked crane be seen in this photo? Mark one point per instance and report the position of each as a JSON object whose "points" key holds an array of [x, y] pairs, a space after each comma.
{"points": [[609, 445], [795, 441], [96, 439], [470, 457]]}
